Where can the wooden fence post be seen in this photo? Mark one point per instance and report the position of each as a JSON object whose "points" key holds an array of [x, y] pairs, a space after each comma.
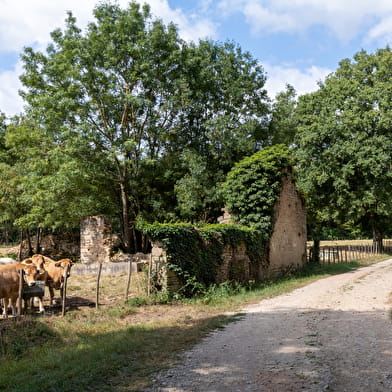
{"points": [[64, 290], [149, 273], [21, 272], [128, 280], [97, 288]]}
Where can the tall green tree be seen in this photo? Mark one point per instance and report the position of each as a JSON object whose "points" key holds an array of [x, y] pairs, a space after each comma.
{"points": [[344, 143], [133, 91], [283, 124], [112, 85], [47, 184], [224, 119]]}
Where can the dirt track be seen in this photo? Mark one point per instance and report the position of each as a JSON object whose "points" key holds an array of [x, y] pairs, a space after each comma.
{"points": [[332, 335]]}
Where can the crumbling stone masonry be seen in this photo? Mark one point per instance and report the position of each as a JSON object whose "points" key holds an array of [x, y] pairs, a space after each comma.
{"points": [[287, 245], [286, 250], [95, 240]]}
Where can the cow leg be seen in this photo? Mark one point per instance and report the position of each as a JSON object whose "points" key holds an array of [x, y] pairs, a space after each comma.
{"points": [[4, 303], [51, 294], [13, 306], [41, 305], [26, 304]]}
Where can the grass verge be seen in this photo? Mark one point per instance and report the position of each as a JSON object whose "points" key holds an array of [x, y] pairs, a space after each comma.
{"points": [[120, 347]]}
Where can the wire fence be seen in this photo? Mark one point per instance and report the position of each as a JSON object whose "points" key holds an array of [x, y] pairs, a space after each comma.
{"points": [[344, 253]]}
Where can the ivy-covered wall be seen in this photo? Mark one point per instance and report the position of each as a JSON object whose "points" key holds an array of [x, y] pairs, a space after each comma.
{"points": [[216, 253], [196, 254]]}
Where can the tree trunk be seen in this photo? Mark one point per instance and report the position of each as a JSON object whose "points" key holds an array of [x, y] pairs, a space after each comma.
{"points": [[377, 239], [316, 251], [127, 236], [316, 245], [19, 258], [38, 240], [29, 246]]}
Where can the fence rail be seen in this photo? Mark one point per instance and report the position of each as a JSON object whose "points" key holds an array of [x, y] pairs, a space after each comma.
{"points": [[345, 253]]}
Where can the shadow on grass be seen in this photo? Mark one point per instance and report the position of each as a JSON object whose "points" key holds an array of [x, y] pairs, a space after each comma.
{"points": [[123, 359]]}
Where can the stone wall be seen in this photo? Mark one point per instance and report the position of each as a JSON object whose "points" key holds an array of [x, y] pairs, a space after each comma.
{"points": [[95, 240], [236, 265], [287, 246]]}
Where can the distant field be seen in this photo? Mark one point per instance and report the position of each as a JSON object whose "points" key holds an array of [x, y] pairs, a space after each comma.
{"points": [[343, 242]]}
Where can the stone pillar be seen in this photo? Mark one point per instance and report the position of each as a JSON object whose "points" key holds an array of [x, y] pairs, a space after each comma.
{"points": [[95, 239], [288, 242]]}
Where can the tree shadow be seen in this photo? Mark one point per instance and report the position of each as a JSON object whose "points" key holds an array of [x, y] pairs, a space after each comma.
{"points": [[312, 350]]}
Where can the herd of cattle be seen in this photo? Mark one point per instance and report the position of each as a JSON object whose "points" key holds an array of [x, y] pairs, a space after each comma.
{"points": [[37, 268]]}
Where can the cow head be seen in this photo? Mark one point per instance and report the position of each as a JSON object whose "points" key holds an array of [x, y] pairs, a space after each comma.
{"points": [[37, 260], [64, 263], [30, 274]]}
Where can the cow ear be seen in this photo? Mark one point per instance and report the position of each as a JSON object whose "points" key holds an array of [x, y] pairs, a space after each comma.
{"points": [[27, 261]]}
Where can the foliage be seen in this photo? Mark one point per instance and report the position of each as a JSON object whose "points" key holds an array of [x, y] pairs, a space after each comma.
{"points": [[343, 144], [253, 185], [46, 183], [136, 95], [195, 253], [283, 124]]}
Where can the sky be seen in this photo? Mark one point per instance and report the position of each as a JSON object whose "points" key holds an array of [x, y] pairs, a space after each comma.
{"points": [[298, 42]]}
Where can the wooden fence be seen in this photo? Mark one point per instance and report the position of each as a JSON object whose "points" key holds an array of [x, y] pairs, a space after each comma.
{"points": [[346, 253]]}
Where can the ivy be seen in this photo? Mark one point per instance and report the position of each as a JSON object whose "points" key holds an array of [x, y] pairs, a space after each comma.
{"points": [[196, 253], [251, 189], [253, 185]]}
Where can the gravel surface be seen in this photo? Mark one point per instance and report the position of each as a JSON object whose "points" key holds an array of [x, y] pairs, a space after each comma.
{"points": [[332, 335]]}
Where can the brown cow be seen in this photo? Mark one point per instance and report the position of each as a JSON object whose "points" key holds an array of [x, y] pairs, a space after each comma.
{"points": [[9, 282], [55, 275], [37, 260]]}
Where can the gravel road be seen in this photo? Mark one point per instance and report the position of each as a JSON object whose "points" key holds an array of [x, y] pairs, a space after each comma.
{"points": [[332, 335]]}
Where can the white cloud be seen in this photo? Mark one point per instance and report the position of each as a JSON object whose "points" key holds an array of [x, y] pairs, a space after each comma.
{"points": [[29, 23], [343, 18], [191, 27], [303, 81], [382, 32], [26, 22], [10, 101]]}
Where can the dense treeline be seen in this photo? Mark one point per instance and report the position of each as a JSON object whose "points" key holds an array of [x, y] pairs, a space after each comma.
{"points": [[128, 120]]}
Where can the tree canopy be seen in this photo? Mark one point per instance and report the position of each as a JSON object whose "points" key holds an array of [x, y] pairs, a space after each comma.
{"points": [[139, 101], [344, 143]]}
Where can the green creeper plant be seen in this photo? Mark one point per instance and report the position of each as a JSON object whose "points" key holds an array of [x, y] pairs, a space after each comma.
{"points": [[253, 185]]}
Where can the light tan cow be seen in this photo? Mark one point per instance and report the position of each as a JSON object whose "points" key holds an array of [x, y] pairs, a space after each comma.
{"points": [[37, 260], [56, 274], [9, 282]]}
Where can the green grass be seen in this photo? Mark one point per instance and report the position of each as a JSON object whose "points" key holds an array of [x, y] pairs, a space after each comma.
{"points": [[109, 350]]}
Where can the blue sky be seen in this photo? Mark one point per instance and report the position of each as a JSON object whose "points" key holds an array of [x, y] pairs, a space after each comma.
{"points": [[297, 41]]}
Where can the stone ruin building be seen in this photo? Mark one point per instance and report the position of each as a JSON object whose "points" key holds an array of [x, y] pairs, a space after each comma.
{"points": [[286, 250]]}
